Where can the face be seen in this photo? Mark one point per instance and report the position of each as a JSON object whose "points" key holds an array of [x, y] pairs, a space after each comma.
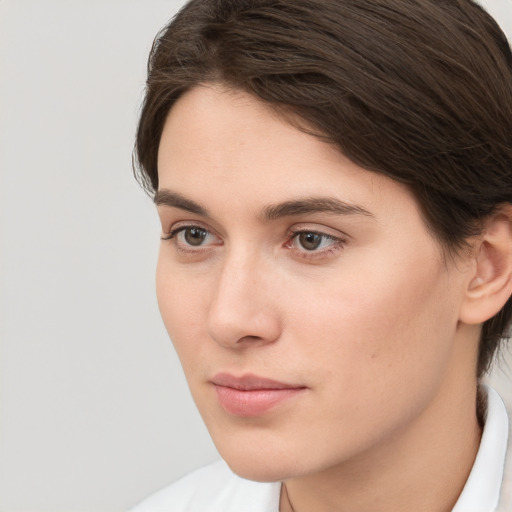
{"points": [[312, 311]]}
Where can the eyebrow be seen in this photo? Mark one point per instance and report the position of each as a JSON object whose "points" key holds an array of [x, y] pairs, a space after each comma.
{"points": [[174, 200], [271, 212], [314, 205]]}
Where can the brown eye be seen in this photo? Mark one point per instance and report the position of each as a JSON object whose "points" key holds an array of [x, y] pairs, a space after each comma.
{"points": [[194, 236], [310, 240]]}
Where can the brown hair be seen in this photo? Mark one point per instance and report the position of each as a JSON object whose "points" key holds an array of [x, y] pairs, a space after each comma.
{"points": [[420, 91]]}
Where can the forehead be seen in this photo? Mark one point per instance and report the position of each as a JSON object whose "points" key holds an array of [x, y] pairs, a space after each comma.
{"points": [[211, 122], [213, 133], [226, 150]]}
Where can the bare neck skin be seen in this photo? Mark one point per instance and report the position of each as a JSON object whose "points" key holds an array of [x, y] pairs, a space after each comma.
{"points": [[423, 468]]}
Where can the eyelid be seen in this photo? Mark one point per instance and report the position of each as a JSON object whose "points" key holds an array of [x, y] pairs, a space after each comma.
{"points": [[339, 241], [319, 229], [176, 227], [179, 227]]}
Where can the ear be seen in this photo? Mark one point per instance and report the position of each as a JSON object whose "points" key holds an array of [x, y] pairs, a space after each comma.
{"points": [[490, 284]]}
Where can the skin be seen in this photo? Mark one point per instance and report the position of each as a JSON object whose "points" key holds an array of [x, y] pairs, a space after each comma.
{"points": [[370, 323]]}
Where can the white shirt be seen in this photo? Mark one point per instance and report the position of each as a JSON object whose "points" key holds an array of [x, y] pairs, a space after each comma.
{"points": [[482, 490], [215, 488]]}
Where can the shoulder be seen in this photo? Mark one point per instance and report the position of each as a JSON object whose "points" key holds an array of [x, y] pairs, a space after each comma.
{"points": [[213, 488]]}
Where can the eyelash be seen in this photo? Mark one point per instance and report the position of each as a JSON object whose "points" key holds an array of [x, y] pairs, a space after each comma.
{"points": [[180, 247], [337, 245]]}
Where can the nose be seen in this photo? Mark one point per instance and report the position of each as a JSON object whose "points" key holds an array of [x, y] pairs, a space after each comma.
{"points": [[243, 309]]}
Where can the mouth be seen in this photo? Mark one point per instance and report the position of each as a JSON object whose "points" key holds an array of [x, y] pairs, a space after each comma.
{"points": [[251, 395]]}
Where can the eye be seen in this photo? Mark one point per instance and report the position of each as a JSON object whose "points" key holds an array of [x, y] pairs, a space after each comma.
{"points": [[309, 243], [190, 237], [194, 236], [310, 240]]}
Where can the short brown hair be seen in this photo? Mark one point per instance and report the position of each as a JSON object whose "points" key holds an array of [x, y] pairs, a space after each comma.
{"points": [[420, 91]]}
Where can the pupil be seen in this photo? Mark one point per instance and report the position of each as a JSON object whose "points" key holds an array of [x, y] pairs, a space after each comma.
{"points": [[195, 236], [310, 241]]}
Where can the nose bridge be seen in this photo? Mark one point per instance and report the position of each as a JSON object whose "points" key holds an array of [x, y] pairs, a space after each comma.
{"points": [[242, 308]]}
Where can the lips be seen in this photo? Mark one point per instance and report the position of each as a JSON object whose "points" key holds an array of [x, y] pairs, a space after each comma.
{"points": [[251, 395]]}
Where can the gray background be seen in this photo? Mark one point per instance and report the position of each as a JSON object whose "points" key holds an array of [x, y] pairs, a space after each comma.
{"points": [[95, 412]]}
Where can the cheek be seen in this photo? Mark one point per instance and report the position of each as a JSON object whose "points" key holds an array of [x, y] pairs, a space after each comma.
{"points": [[376, 347], [182, 303], [378, 320]]}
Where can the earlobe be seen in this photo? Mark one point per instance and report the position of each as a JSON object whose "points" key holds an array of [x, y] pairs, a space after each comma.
{"points": [[490, 284]]}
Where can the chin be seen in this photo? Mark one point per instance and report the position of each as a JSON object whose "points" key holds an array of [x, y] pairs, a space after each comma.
{"points": [[259, 471], [264, 465]]}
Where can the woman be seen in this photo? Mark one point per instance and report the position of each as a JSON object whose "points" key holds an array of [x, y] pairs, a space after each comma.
{"points": [[334, 183]]}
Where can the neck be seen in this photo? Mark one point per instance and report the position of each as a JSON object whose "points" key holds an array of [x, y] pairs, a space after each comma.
{"points": [[423, 468]]}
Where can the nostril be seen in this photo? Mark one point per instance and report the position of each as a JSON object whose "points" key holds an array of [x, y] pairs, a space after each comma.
{"points": [[250, 338]]}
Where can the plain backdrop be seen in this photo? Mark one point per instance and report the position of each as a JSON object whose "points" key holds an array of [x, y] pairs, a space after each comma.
{"points": [[95, 412]]}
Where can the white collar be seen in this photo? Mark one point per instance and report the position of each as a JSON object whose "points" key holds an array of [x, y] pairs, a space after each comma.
{"points": [[482, 490]]}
